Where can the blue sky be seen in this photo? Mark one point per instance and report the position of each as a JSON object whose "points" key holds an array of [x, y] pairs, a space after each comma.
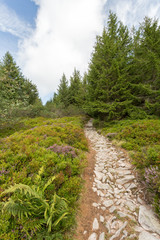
{"points": [[50, 37], [17, 18]]}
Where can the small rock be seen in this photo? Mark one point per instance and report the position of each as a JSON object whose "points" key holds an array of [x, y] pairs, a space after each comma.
{"points": [[125, 179], [103, 208], [125, 233], [121, 214], [112, 209], [95, 225], [133, 236], [130, 205], [132, 186], [119, 231], [147, 236], [102, 236], [85, 232], [101, 219], [108, 227], [93, 236], [99, 175], [94, 189], [120, 186], [110, 176], [108, 203], [95, 204]]}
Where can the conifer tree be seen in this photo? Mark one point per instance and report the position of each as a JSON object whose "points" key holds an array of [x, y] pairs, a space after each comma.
{"points": [[14, 87], [145, 72], [63, 94], [75, 89], [109, 95]]}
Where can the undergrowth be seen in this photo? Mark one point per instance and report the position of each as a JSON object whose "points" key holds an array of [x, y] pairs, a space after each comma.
{"points": [[58, 147]]}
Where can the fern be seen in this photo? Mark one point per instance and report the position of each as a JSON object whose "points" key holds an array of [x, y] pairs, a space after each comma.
{"points": [[38, 176], [15, 209], [22, 188], [48, 183], [28, 202]]}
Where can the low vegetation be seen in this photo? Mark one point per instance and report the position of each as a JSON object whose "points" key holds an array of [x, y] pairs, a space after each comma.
{"points": [[40, 181], [142, 139]]}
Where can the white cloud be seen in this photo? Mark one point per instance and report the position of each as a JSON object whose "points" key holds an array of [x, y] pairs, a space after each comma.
{"points": [[11, 23], [63, 39], [132, 12]]}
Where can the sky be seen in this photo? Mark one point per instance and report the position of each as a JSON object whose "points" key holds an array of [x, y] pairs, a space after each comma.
{"points": [[50, 37]]}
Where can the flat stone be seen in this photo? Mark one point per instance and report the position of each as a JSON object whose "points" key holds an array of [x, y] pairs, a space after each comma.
{"points": [[103, 208], [125, 179], [130, 205], [132, 186], [147, 236], [121, 214], [102, 236], [94, 189], [148, 220], [124, 172], [103, 186], [133, 236], [95, 204], [100, 193], [95, 225], [108, 227], [108, 203], [110, 176], [112, 209], [99, 175], [93, 236], [116, 235], [101, 219], [99, 169], [125, 233]]}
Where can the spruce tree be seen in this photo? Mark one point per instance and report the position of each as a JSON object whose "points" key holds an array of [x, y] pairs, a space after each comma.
{"points": [[14, 87], [63, 94], [75, 89], [109, 95], [145, 72]]}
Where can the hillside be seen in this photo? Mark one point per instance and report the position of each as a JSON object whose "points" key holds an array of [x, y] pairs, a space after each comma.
{"points": [[40, 177]]}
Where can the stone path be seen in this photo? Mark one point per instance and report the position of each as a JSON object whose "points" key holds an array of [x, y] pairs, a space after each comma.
{"points": [[121, 212]]}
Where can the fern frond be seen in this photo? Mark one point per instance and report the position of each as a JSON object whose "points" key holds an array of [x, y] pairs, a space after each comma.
{"points": [[22, 188], [16, 209], [40, 172], [34, 224], [26, 191], [48, 183], [60, 218]]}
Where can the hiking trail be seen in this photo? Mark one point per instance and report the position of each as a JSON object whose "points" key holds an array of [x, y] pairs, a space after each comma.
{"points": [[112, 205]]}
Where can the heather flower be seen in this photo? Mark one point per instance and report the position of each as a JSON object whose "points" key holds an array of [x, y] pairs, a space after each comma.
{"points": [[3, 172], [152, 176], [65, 150]]}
